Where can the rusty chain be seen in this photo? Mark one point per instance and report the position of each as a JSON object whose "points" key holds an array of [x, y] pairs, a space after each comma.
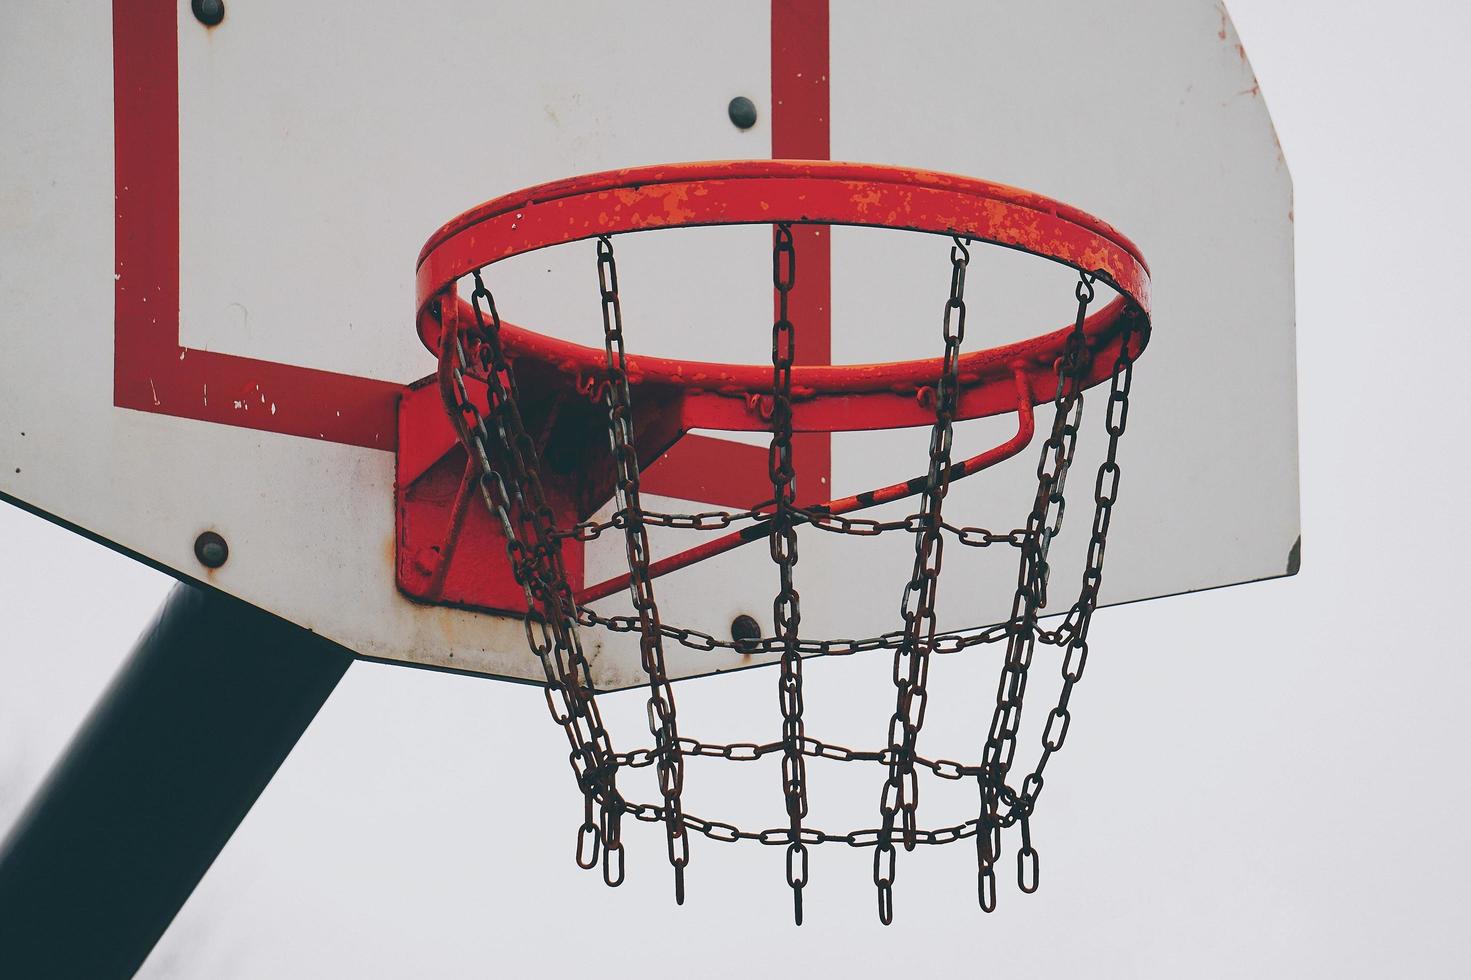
{"points": [[506, 459], [786, 609], [1029, 598], [661, 712], [1044, 523], [719, 520], [1105, 494], [710, 520], [900, 797], [951, 641], [551, 629]]}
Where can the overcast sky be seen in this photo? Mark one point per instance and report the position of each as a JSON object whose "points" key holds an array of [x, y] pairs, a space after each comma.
{"points": [[1267, 780]]}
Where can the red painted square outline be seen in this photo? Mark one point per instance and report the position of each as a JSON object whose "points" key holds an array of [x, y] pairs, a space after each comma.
{"points": [[153, 372]]}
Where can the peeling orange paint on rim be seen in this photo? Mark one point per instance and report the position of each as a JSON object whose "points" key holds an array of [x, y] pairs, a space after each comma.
{"points": [[797, 192]]}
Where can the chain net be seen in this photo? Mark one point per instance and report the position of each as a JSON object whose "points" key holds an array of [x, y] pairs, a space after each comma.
{"points": [[506, 459]]}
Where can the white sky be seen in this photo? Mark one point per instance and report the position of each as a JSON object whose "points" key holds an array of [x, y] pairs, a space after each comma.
{"points": [[1266, 780]]}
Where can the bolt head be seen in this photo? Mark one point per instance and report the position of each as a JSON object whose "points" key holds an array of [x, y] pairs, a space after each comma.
{"points": [[211, 550], [208, 12], [742, 112], [745, 631]]}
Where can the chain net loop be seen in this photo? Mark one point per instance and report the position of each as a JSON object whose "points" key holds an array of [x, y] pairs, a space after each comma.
{"points": [[508, 469]]}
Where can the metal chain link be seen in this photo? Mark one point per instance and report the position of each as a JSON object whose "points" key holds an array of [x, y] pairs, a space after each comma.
{"points": [[951, 641], [1044, 524], [509, 481], [535, 557], [862, 527], [709, 520], [1105, 494], [809, 836], [752, 751], [900, 797], [661, 709], [786, 610]]}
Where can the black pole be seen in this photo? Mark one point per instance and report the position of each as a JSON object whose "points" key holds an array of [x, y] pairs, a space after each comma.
{"points": [[184, 740]]}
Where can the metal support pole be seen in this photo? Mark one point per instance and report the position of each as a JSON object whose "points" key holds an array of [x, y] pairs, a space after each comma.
{"points": [[206, 708]]}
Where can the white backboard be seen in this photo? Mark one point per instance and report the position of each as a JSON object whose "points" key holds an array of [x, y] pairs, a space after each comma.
{"points": [[207, 277]]}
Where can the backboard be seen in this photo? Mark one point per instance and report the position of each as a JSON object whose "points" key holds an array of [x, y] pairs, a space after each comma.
{"points": [[207, 280]]}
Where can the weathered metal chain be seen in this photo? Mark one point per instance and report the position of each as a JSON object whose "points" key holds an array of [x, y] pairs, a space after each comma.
{"points": [[719, 520], [661, 710], [508, 467], [951, 641], [1105, 493], [811, 747], [900, 797], [809, 836], [535, 557], [786, 610], [1043, 525], [710, 520]]}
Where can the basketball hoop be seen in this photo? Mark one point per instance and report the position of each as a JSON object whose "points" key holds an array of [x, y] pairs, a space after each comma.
{"points": [[493, 376]]}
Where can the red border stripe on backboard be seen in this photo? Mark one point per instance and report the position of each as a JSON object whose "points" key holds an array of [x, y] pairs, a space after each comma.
{"points": [[800, 130], [152, 371], [729, 473]]}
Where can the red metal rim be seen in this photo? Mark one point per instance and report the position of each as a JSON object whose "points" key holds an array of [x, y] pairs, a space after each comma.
{"points": [[796, 192]]}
